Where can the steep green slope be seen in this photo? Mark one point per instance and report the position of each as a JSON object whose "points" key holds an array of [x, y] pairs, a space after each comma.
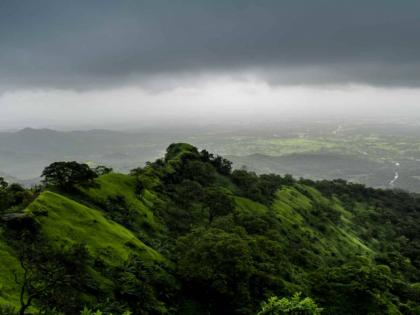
{"points": [[186, 235], [65, 221], [8, 267], [300, 205], [111, 186]]}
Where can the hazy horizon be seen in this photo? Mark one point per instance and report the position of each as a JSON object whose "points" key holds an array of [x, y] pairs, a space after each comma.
{"points": [[99, 64], [276, 78]]}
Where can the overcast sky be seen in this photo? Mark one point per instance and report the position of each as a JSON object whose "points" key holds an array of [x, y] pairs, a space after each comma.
{"points": [[104, 63]]}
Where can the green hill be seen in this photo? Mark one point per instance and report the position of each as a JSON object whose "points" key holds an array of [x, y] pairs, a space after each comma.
{"points": [[187, 235]]}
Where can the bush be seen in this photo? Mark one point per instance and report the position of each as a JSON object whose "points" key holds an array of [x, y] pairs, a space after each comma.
{"points": [[293, 305]]}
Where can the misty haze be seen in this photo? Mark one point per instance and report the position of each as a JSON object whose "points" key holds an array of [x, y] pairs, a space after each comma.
{"points": [[209, 157]]}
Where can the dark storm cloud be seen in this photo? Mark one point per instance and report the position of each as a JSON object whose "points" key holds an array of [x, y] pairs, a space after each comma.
{"points": [[90, 44]]}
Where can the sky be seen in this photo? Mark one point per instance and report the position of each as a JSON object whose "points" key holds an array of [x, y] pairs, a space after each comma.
{"points": [[107, 63]]}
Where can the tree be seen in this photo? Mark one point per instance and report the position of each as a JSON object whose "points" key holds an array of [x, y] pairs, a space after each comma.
{"points": [[3, 194], [12, 195], [143, 286], [199, 171], [102, 170], [65, 175], [356, 287], [3, 184], [188, 192], [216, 266], [293, 305], [33, 286], [217, 202], [222, 165], [54, 279], [247, 182]]}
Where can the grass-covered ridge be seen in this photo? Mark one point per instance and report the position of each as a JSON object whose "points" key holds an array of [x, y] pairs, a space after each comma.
{"points": [[9, 265], [186, 234], [113, 185], [65, 222]]}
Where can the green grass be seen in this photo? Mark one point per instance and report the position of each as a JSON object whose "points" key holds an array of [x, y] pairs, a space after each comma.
{"points": [[9, 290], [294, 209], [248, 206], [68, 222], [112, 185], [287, 203]]}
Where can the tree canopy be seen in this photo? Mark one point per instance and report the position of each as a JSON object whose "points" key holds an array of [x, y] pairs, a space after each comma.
{"points": [[65, 175]]}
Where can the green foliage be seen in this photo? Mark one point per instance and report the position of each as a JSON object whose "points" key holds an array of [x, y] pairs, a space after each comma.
{"points": [[198, 171], [357, 286], [177, 151], [223, 166], [102, 170], [7, 309], [12, 195], [143, 286], [218, 265], [187, 235], [293, 305], [87, 311], [53, 279], [217, 202], [259, 188], [65, 175]]}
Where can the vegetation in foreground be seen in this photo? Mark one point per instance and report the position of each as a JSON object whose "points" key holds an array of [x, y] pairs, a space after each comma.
{"points": [[187, 235]]}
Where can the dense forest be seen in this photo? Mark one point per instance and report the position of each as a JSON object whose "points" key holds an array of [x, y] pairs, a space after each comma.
{"points": [[186, 234]]}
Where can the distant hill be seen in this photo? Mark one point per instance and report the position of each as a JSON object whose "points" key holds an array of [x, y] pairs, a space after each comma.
{"points": [[187, 235], [358, 152], [25, 153], [329, 165], [322, 165]]}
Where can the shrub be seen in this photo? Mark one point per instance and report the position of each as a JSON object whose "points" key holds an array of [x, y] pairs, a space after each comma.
{"points": [[293, 305]]}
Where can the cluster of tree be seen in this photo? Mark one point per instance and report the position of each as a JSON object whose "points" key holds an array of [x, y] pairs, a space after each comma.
{"points": [[53, 279], [239, 259], [226, 260], [259, 188], [13, 195], [64, 176], [394, 217]]}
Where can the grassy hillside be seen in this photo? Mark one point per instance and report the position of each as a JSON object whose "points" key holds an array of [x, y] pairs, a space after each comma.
{"points": [[9, 265], [65, 222], [187, 235], [111, 186]]}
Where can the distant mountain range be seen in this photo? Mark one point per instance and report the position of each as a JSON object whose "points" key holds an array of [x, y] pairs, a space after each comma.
{"points": [[25, 153], [369, 156], [320, 165]]}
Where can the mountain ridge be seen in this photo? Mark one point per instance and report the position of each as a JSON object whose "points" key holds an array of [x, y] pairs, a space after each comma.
{"points": [[186, 234]]}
